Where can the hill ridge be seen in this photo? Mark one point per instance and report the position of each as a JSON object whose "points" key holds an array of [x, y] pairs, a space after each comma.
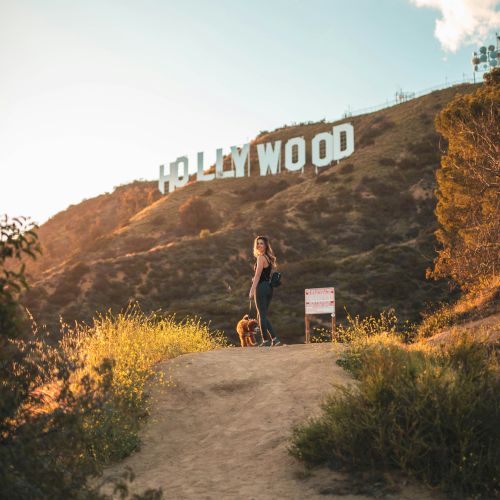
{"points": [[366, 207]]}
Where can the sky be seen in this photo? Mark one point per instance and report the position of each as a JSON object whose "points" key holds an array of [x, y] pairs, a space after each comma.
{"points": [[98, 93]]}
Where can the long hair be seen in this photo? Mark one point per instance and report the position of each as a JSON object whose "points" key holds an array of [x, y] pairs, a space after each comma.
{"points": [[268, 251]]}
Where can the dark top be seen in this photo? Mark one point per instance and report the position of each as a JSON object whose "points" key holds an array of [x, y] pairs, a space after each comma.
{"points": [[265, 275]]}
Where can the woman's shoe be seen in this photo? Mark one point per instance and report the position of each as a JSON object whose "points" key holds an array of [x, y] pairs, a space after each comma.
{"points": [[265, 343], [275, 341]]}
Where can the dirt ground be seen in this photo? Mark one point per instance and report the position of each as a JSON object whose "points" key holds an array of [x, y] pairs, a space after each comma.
{"points": [[221, 430]]}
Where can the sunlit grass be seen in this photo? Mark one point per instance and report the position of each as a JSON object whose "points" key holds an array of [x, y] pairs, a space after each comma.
{"points": [[134, 342], [360, 329]]}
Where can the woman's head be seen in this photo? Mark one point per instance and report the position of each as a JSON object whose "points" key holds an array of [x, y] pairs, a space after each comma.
{"points": [[262, 246]]}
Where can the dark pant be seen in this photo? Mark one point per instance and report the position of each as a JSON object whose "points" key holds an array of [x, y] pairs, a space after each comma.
{"points": [[263, 296]]}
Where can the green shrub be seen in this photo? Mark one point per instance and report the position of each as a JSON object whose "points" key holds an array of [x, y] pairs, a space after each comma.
{"points": [[432, 413]]}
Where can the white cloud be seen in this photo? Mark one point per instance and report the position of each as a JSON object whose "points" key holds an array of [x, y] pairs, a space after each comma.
{"points": [[463, 22]]}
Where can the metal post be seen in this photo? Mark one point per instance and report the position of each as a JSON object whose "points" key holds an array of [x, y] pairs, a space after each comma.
{"points": [[333, 327]]}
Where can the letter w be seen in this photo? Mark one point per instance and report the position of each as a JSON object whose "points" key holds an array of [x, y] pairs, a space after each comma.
{"points": [[269, 157]]}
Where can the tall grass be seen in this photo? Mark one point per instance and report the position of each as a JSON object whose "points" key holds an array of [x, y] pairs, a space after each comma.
{"points": [[430, 412], [361, 328], [133, 342]]}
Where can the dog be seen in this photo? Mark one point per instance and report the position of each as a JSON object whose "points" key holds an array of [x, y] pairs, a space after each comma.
{"points": [[246, 330]]}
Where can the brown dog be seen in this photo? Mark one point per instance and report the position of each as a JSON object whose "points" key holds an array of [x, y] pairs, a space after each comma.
{"points": [[246, 331]]}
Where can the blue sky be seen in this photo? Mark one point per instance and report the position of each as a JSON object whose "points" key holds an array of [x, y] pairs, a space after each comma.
{"points": [[97, 93]]}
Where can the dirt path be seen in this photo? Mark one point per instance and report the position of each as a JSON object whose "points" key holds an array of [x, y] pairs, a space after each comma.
{"points": [[221, 432]]}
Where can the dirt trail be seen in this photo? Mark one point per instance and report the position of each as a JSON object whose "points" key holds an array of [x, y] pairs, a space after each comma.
{"points": [[222, 430]]}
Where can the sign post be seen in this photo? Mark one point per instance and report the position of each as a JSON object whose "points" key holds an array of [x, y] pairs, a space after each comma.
{"points": [[319, 301]]}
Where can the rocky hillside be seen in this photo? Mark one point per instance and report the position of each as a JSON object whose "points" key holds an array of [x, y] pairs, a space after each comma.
{"points": [[364, 226]]}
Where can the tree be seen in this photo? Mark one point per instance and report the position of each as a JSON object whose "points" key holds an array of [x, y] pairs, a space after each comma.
{"points": [[47, 400], [17, 239], [468, 187], [197, 214]]}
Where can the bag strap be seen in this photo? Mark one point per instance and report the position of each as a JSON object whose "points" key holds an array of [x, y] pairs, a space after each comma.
{"points": [[268, 260], [271, 271]]}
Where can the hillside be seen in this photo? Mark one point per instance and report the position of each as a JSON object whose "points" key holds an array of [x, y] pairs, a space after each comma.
{"points": [[71, 232], [364, 226]]}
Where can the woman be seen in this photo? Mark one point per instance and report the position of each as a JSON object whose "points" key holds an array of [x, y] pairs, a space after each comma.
{"points": [[261, 287]]}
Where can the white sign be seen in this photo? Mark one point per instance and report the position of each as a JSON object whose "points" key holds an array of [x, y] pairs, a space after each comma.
{"points": [[337, 145], [320, 300]]}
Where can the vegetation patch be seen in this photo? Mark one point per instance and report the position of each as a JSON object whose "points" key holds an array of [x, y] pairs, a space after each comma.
{"points": [[197, 214], [378, 126], [430, 412], [347, 168]]}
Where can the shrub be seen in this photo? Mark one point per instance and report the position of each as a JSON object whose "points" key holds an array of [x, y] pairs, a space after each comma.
{"points": [[328, 222], [376, 128], [426, 150], [425, 118], [42, 433], [135, 244], [321, 178], [356, 328], [387, 162], [314, 206], [77, 272], [435, 321], [347, 168], [376, 186], [64, 293], [256, 192], [407, 164], [432, 413], [197, 214], [159, 220]]}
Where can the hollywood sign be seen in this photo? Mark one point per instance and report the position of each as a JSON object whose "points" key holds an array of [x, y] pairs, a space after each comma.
{"points": [[326, 147]]}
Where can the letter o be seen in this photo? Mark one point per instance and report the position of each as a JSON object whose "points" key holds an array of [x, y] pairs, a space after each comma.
{"points": [[301, 157], [328, 158]]}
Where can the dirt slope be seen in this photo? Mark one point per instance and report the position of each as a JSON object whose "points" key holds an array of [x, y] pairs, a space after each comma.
{"points": [[222, 430]]}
